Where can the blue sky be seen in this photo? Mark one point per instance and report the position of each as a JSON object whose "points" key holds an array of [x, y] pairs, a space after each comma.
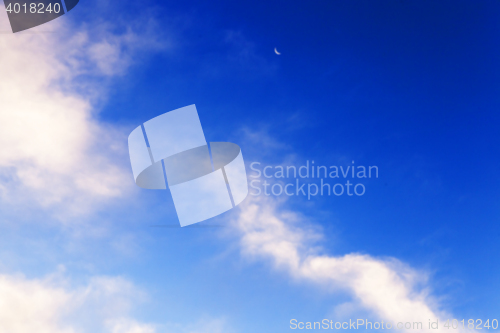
{"points": [[408, 86]]}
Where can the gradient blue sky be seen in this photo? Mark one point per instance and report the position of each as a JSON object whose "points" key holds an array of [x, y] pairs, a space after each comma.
{"points": [[409, 86]]}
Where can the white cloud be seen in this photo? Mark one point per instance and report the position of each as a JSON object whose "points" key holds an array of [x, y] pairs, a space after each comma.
{"points": [[54, 151], [387, 288], [44, 306], [104, 304], [125, 325]]}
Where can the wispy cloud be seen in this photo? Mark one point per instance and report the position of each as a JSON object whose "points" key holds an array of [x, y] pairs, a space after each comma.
{"points": [[51, 305], [386, 288], [55, 154]]}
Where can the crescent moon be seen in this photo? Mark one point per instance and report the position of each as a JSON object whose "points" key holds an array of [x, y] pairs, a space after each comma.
{"points": [[276, 51]]}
